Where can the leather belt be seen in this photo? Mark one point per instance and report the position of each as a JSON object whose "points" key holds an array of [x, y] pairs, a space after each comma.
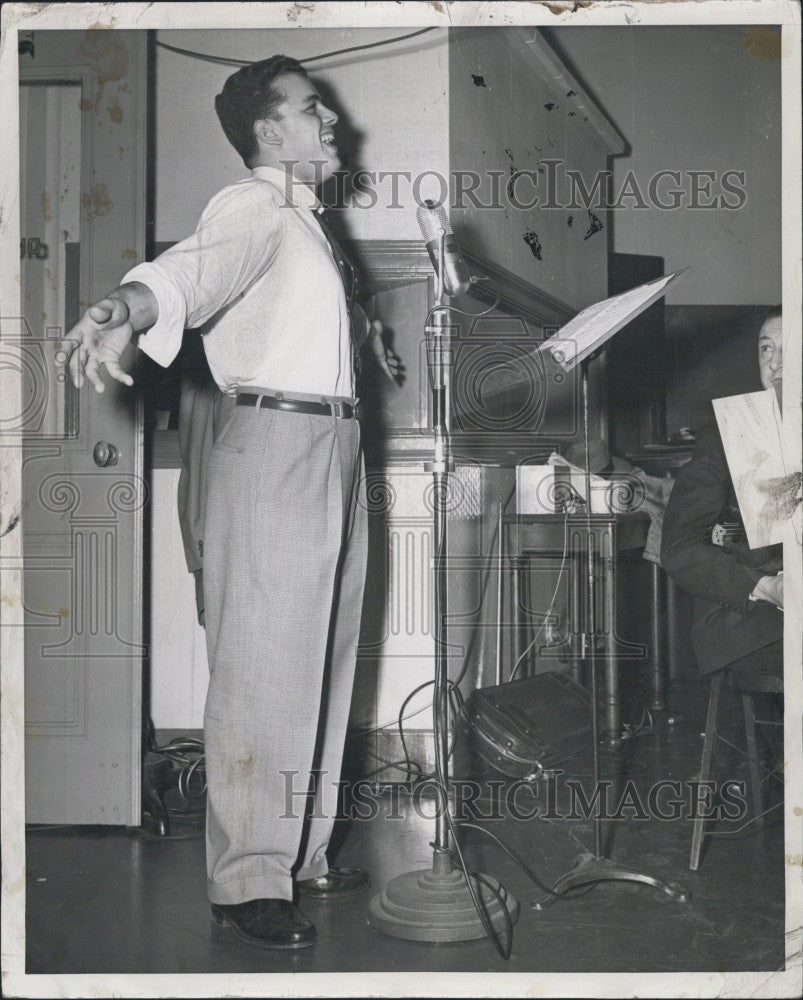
{"points": [[345, 411]]}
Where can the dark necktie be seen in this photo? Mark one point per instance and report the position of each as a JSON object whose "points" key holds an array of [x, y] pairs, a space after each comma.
{"points": [[349, 277]]}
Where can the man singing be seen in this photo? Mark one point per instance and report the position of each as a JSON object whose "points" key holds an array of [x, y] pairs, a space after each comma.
{"points": [[285, 532]]}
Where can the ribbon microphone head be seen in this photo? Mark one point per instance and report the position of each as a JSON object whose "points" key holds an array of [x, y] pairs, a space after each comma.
{"points": [[434, 223]]}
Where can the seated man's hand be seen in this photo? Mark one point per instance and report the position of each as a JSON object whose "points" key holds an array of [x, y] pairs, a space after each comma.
{"points": [[770, 589], [99, 338]]}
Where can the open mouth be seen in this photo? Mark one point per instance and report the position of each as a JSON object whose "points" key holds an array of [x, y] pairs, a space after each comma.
{"points": [[328, 141]]}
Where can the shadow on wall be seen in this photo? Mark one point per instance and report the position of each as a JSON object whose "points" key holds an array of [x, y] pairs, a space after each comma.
{"points": [[711, 353]]}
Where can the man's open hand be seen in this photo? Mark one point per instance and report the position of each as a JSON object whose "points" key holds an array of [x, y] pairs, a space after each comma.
{"points": [[383, 355], [368, 333], [99, 338]]}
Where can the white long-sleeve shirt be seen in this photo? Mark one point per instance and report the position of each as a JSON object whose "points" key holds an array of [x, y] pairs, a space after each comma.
{"points": [[258, 279]]}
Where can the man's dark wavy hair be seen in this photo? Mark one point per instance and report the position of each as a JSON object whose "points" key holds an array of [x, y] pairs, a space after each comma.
{"points": [[249, 96]]}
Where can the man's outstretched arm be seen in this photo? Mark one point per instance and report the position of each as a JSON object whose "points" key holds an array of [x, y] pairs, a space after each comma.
{"points": [[104, 332]]}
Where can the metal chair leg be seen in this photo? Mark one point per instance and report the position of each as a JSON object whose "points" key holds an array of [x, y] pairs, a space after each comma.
{"points": [[705, 766]]}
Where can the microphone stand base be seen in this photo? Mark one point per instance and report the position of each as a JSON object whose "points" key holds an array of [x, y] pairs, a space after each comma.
{"points": [[433, 907], [589, 870]]}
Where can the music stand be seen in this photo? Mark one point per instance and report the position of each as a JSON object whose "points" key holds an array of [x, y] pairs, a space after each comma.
{"points": [[575, 344]]}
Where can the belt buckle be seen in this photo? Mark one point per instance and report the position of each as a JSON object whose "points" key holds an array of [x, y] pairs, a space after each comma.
{"points": [[339, 409]]}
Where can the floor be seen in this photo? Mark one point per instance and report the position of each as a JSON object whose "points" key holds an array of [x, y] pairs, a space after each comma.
{"points": [[111, 900]]}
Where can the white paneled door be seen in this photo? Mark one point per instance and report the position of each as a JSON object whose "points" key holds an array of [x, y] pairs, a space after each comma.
{"points": [[82, 225]]}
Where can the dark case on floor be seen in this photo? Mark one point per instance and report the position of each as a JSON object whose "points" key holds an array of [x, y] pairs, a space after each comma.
{"points": [[522, 728]]}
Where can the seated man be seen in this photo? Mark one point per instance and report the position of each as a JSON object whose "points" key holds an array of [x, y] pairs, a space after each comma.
{"points": [[738, 611]]}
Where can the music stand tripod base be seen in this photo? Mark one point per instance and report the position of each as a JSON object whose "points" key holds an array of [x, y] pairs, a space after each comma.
{"points": [[437, 907], [589, 870]]}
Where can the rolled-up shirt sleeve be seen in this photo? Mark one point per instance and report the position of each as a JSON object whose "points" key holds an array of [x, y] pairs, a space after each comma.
{"points": [[162, 341], [234, 245]]}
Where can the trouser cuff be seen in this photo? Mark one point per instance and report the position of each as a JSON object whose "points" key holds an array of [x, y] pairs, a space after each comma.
{"points": [[239, 890]]}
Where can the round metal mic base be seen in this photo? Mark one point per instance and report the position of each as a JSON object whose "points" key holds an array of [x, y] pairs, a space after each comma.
{"points": [[428, 906]]}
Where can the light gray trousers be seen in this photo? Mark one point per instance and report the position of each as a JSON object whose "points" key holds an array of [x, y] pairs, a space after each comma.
{"points": [[284, 571]]}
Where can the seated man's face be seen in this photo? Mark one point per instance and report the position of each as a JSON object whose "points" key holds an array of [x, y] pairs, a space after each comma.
{"points": [[770, 356]]}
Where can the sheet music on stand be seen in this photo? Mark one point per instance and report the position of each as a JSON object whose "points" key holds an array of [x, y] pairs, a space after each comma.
{"points": [[593, 326]]}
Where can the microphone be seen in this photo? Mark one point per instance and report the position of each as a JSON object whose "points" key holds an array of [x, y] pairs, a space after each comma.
{"points": [[433, 222]]}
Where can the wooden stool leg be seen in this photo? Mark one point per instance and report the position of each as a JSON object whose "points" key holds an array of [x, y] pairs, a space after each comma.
{"points": [[657, 633], [752, 751], [705, 765]]}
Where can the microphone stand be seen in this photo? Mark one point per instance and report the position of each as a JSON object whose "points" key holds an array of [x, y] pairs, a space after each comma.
{"points": [[590, 869], [439, 904]]}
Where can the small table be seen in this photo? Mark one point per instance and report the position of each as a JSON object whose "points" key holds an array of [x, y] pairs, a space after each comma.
{"points": [[529, 535]]}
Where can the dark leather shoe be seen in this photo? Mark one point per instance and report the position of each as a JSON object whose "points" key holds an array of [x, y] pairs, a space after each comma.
{"points": [[267, 923], [337, 882]]}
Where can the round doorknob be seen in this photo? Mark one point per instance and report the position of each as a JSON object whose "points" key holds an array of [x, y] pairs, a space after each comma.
{"points": [[105, 454]]}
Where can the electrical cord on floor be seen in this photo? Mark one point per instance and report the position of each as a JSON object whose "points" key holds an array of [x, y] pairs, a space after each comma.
{"points": [[400, 724], [573, 893], [186, 753], [503, 949], [399, 765], [551, 609], [630, 732], [438, 716], [524, 867]]}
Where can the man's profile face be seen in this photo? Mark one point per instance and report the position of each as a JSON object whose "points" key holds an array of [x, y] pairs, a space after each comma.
{"points": [[306, 128], [770, 355]]}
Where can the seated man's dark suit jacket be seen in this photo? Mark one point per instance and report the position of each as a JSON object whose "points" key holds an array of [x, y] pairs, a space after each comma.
{"points": [[727, 626]]}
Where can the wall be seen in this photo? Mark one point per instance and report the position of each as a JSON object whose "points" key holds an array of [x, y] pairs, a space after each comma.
{"points": [[712, 353], [692, 98], [392, 104], [508, 116], [178, 665]]}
